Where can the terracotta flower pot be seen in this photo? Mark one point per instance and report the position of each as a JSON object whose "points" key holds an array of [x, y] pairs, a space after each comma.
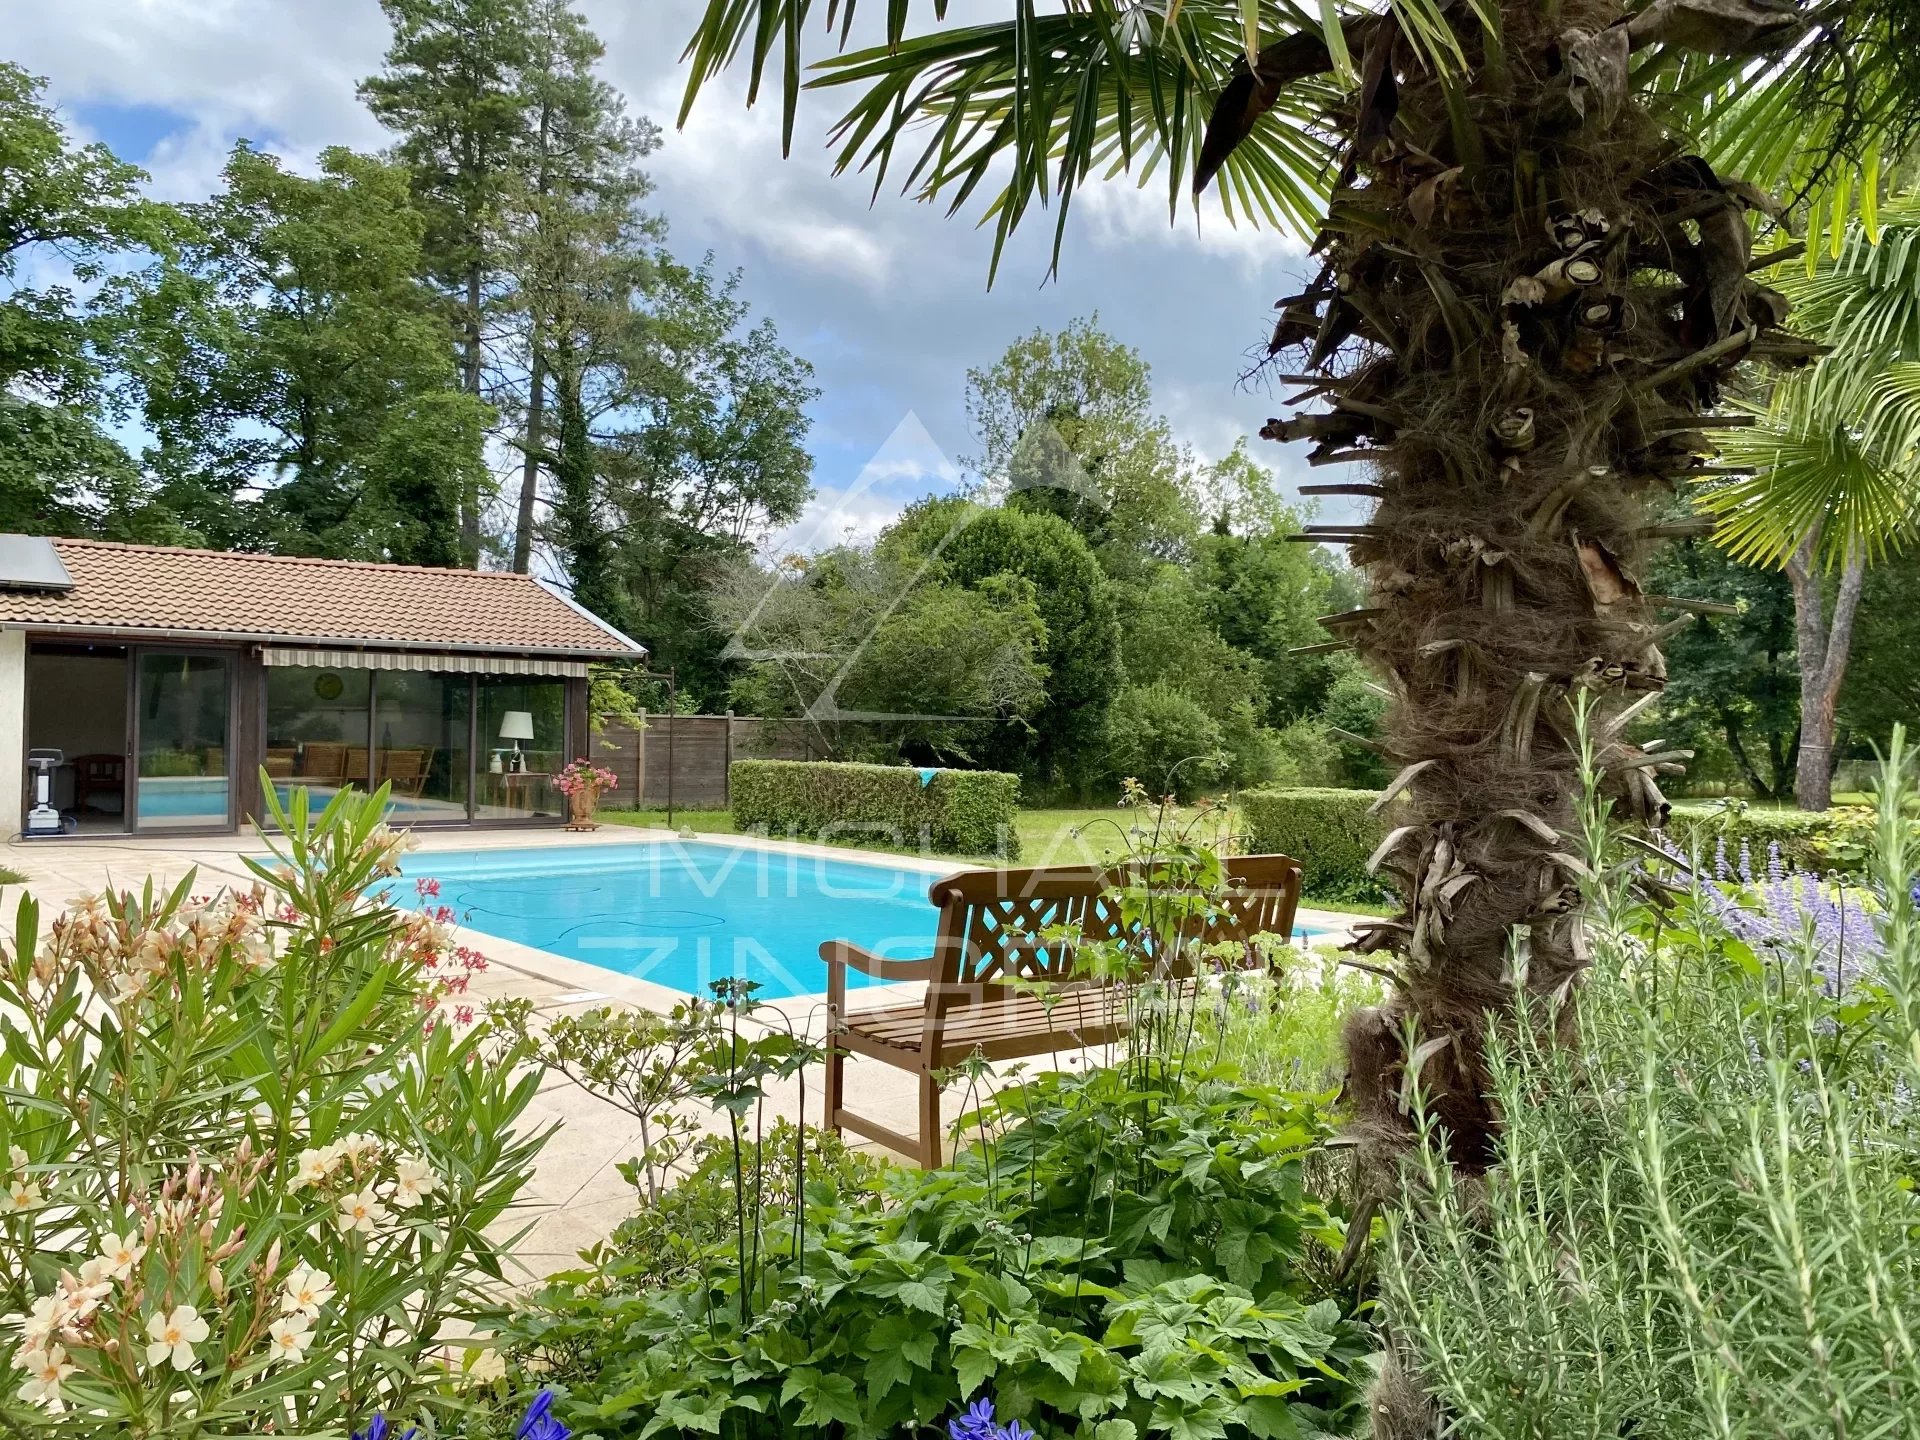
{"points": [[580, 807]]}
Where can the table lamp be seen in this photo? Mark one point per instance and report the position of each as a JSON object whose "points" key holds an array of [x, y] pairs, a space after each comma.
{"points": [[517, 725]]}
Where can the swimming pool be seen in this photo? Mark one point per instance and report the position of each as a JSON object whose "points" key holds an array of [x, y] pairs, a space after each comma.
{"points": [[685, 913]]}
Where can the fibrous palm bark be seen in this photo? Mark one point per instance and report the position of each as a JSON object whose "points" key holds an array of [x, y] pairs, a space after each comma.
{"points": [[1530, 296]]}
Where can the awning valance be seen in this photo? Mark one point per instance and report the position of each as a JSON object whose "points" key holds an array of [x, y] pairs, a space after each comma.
{"points": [[423, 660]]}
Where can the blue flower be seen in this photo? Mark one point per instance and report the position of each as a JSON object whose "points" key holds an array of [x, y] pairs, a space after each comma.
{"points": [[976, 1424], [379, 1429], [539, 1423], [1014, 1431]]}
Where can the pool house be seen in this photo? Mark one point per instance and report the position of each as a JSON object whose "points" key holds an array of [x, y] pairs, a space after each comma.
{"points": [[144, 689]]}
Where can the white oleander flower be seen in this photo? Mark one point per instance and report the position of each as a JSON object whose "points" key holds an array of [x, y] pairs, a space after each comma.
{"points": [[22, 1196], [119, 1254], [45, 1370], [307, 1289], [289, 1338], [359, 1210], [173, 1336], [314, 1167], [413, 1182]]}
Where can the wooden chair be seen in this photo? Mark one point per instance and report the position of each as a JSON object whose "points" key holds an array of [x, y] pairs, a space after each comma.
{"points": [[323, 762], [989, 933], [406, 770]]}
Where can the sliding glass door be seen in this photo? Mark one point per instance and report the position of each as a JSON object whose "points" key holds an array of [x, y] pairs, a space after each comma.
{"points": [[182, 716], [454, 747]]}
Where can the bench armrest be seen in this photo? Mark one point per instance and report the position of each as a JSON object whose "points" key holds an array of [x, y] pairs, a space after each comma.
{"points": [[843, 954]]}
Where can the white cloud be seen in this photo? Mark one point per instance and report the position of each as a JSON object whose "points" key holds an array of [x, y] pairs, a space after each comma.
{"points": [[908, 465], [1122, 214]]}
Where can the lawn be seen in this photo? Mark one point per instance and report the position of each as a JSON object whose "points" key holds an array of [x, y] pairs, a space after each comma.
{"points": [[1054, 836]]}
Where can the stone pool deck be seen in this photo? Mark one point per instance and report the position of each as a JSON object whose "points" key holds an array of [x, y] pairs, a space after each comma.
{"points": [[577, 1196]]}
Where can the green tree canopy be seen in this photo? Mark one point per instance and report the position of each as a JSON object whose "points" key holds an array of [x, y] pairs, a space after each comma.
{"points": [[971, 545], [68, 213], [295, 374], [1066, 427]]}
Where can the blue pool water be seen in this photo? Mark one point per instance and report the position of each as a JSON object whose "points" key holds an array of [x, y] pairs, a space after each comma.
{"points": [[685, 913]]}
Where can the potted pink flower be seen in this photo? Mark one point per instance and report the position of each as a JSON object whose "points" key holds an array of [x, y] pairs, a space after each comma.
{"points": [[581, 782]]}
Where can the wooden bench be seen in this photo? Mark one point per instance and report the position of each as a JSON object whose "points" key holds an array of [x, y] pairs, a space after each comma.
{"points": [[990, 932]]}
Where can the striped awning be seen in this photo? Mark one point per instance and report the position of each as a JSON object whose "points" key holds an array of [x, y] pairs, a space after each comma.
{"points": [[423, 660]]}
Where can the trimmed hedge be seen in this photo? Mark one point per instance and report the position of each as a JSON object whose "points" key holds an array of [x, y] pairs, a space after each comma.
{"points": [[965, 812], [1328, 831], [1836, 839]]}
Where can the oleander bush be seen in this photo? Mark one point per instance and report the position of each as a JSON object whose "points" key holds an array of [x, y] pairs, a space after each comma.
{"points": [[1702, 1218], [1330, 833], [965, 812], [255, 1142]]}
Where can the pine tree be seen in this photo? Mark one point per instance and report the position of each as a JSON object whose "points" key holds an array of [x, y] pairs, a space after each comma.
{"points": [[453, 90]]}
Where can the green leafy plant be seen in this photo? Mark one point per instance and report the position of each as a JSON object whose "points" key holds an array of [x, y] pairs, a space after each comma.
{"points": [[967, 812], [1110, 1258], [640, 1061], [254, 1147]]}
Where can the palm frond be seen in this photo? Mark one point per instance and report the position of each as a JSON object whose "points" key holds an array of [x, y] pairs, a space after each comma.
{"points": [[1838, 446]]}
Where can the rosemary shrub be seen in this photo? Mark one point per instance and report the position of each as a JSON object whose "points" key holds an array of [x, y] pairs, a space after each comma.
{"points": [[1702, 1220]]}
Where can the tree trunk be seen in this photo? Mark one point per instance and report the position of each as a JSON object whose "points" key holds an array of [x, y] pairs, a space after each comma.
{"points": [[470, 374], [530, 465], [1523, 310], [589, 556], [1823, 651]]}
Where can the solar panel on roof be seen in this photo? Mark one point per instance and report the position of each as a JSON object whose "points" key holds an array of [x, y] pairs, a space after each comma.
{"points": [[29, 562]]}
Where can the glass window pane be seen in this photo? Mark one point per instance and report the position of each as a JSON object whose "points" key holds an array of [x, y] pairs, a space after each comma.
{"points": [[420, 743], [316, 729], [183, 777], [523, 740]]}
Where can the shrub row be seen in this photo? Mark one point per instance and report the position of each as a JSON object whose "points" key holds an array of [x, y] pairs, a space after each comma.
{"points": [[966, 812], [1836, 839], [1328, 831], [1331, 834]]}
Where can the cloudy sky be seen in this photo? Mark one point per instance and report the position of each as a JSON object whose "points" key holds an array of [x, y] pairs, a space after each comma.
{"points": [[888, 300]]}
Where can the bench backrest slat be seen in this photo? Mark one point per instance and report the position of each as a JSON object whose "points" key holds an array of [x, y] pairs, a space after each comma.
{"points": [[991, 922]]}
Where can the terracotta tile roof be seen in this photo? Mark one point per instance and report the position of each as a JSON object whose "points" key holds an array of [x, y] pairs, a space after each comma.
{"points": [[292, 599]]}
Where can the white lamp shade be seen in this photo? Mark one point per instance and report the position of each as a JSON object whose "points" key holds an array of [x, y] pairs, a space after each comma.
{"points": [[516, 725]]}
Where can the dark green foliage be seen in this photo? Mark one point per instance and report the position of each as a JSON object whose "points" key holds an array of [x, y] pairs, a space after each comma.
{"points": [[1083, 633], [290, 352], [883, 661], [1120, 1261], [968, 812], [669, 1240], [1733, 681], [1164, 740], [1883, 673], [61, 472], [1330, 833], [1821, 840]]}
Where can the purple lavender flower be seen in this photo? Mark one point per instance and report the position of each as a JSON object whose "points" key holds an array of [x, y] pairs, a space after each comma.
{"points": [[1825, 922]]}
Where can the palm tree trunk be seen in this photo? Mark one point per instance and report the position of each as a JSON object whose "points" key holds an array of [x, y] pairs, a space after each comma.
{"points": [[1529, 300], [1823, 651]]}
